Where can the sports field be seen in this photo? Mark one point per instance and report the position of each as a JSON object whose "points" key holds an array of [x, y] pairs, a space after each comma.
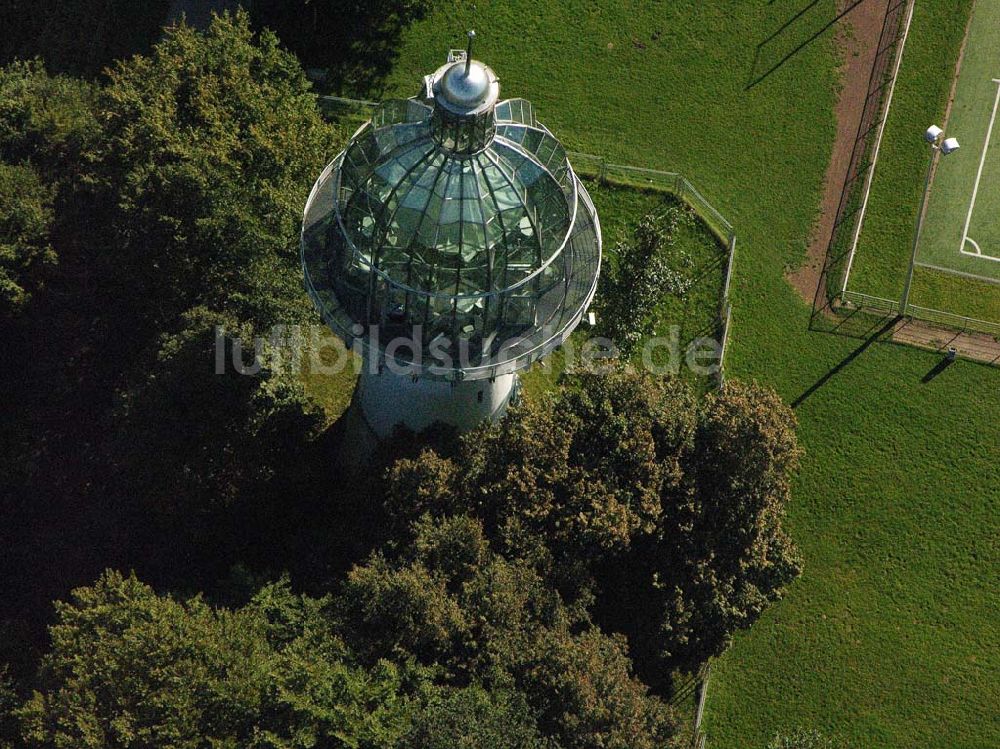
{"points": [[946, 278], [962, 228]]}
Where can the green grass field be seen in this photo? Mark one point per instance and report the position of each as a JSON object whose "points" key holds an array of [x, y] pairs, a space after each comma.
{"points": [[890, 637], [962, 229], [923, 89]]}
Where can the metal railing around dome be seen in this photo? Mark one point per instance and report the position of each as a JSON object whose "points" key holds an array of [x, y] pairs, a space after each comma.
{"points": [[589, 165]]}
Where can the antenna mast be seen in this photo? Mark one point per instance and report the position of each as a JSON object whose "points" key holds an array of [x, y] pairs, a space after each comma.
{"points": [[468, 51]]}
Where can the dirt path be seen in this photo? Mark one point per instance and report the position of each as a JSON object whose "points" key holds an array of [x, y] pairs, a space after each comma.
{"points": [[858, 35]]}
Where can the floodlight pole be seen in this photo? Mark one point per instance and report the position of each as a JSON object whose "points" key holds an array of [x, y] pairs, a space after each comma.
{"points": [[916, 235], [933, 138]]}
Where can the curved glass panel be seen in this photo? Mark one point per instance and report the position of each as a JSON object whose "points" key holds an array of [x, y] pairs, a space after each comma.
{"points": [[486, 259], [515, 110]]}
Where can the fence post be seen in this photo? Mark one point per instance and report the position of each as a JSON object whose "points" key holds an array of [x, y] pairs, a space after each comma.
{"points": [[727, 320], [697, 736], [729, 266]]}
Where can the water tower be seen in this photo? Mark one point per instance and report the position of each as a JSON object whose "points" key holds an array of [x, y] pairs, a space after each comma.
{"points": [[452, 244]]}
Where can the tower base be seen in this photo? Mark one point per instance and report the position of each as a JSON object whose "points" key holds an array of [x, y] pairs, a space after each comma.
{"points": [[389, 400]]}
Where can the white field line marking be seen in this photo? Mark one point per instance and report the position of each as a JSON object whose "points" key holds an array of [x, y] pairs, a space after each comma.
{"points": [[978, 253], [878, 146], [979, 177], [962, 273]]}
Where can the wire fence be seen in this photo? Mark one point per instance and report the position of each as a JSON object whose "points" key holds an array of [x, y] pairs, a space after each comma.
{"points": [[704, 674], [870, 303], [588, 165], [951, 320], [853, 197], [890, 308]]}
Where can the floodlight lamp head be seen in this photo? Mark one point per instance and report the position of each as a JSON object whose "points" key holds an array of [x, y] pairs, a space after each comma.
{"points": [[933, 133], [950, 146]]}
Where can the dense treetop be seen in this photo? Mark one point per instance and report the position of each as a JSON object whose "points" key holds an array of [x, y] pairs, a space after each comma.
{"points": [[209, 145], [667, 508], [129, 668]]}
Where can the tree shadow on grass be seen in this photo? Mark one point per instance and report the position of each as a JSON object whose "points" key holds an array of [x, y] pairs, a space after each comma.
{"points": [[886, 327], [355, 42], [794, 35], [940, 367], [80, 37]]}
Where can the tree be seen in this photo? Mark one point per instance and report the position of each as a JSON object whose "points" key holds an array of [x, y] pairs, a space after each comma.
{"points": [[451, 603], [176, 187], [47, 125], [472, 717], [8, 710], [187, 436], [626, 493], [641, 271], [210, 145], [129, 668], [584, 688], [572, 479], [721, 555], [25, 219], [46, 120]]}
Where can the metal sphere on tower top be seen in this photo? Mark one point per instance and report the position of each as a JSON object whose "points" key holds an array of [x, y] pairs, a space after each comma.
{"points": [[465, 88], [469, 88]]}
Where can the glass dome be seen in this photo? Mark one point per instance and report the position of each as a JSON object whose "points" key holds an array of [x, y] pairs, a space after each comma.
{"points": [[456, 223]]}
